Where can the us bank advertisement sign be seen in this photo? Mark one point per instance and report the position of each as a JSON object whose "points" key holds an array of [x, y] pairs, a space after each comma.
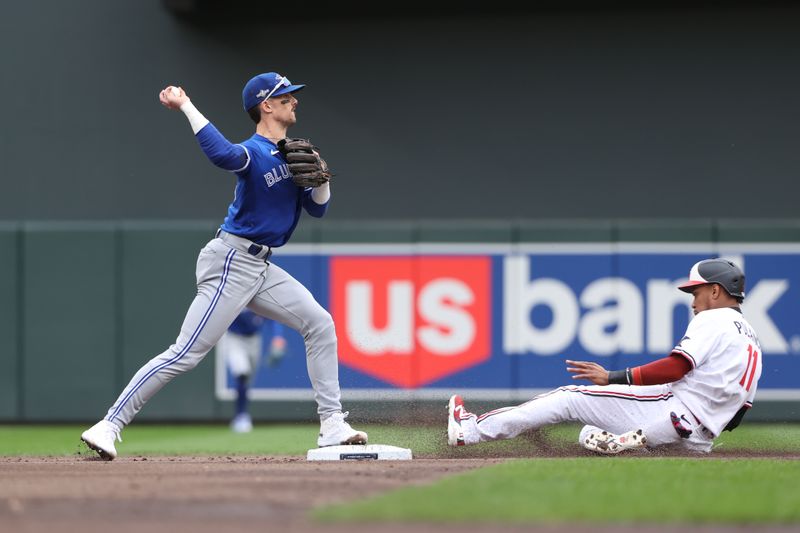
{"points": [[498, 321]]}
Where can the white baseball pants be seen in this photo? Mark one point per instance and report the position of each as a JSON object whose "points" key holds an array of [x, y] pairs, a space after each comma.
{"points": [[614, 408]]}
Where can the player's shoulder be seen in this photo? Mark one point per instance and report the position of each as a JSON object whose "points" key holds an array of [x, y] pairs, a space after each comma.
{"points": [[719, 319], [253, 142], [708, 318], [261, 146]]}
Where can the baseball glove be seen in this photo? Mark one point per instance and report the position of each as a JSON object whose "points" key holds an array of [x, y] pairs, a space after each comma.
{"points": [[307, 167]]}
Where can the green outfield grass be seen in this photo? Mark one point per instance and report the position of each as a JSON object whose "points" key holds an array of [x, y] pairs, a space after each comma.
{"points": [[631, 489], [596, 490], [296, 439]]}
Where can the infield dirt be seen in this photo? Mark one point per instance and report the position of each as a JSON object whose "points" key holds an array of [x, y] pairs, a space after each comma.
{"points": [[218, 494], [198, 494]]}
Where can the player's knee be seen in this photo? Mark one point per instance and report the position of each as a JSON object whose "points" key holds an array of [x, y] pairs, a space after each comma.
{"points": [[191, 360], [320, 322]]}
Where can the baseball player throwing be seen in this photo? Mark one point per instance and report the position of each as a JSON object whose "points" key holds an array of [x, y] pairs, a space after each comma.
{"points": [[276, 179], [704, 386]]}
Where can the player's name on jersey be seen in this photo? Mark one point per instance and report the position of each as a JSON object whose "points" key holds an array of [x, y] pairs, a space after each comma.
{"points": [[747, 332], [278, 174]]}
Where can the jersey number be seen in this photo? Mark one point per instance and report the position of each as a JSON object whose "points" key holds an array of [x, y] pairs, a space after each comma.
{"points": [[752, 363]]}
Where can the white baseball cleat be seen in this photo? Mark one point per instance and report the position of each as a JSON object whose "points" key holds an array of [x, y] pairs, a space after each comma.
{"points": [[611, 444], [455, 433], [242, 423], [334, 431], [100, 438]]}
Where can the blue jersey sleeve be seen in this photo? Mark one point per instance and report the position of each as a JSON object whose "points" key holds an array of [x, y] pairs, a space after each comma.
{"points": [[313, 208], [220, 151]]}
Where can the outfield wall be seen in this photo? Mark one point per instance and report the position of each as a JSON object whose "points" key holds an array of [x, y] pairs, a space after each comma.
{"points": [[422, 309]]}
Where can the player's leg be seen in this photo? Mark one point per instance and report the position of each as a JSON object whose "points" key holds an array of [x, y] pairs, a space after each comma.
{"points": [[284, 299], [508, 422], [671, 423], [617, 409], [226, 280]]}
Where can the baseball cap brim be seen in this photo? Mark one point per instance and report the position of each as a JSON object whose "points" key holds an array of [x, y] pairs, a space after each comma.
{"points": [[289, 89], [690, 285]]}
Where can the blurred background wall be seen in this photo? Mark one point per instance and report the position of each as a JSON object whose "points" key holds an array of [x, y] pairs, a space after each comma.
{"points": [[557, 109]]}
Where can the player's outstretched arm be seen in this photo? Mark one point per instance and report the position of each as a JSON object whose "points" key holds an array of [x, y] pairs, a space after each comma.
{"points": [[665, 370], [218, 149]]}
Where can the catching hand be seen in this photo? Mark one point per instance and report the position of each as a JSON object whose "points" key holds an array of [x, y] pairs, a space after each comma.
{"points": [[307, 167]]}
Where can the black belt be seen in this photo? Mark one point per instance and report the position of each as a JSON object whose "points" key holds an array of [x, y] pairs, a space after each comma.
{"points": [[258, 251]]}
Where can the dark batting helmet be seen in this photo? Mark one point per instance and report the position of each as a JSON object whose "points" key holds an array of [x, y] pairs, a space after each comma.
{"points": [[720, 271]]}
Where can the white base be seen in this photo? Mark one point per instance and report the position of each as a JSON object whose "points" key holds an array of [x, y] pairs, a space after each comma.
{"points": [[379, 452]]}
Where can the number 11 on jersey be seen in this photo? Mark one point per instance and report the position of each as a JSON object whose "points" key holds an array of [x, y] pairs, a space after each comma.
{"points": [[752, 363]]}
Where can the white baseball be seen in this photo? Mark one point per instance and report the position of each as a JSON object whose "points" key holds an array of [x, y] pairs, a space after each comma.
{"points": [[176, 91]]}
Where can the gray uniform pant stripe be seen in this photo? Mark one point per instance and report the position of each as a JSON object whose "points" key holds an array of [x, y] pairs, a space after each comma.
{"points": [[241, 280]]}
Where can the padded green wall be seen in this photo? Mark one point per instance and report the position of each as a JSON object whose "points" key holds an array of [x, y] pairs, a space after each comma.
{"points": [[69, 324]]}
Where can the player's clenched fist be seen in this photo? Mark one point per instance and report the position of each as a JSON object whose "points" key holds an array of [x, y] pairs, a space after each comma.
{"points": [[589, 371], [173, 97]]}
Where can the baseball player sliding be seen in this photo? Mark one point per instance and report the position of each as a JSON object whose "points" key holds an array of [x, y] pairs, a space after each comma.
{"points": [[704, 386], [276, 179]]}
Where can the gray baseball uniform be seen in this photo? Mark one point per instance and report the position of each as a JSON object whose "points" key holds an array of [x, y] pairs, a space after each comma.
{"points": [[229, 279], [233, 270]]}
